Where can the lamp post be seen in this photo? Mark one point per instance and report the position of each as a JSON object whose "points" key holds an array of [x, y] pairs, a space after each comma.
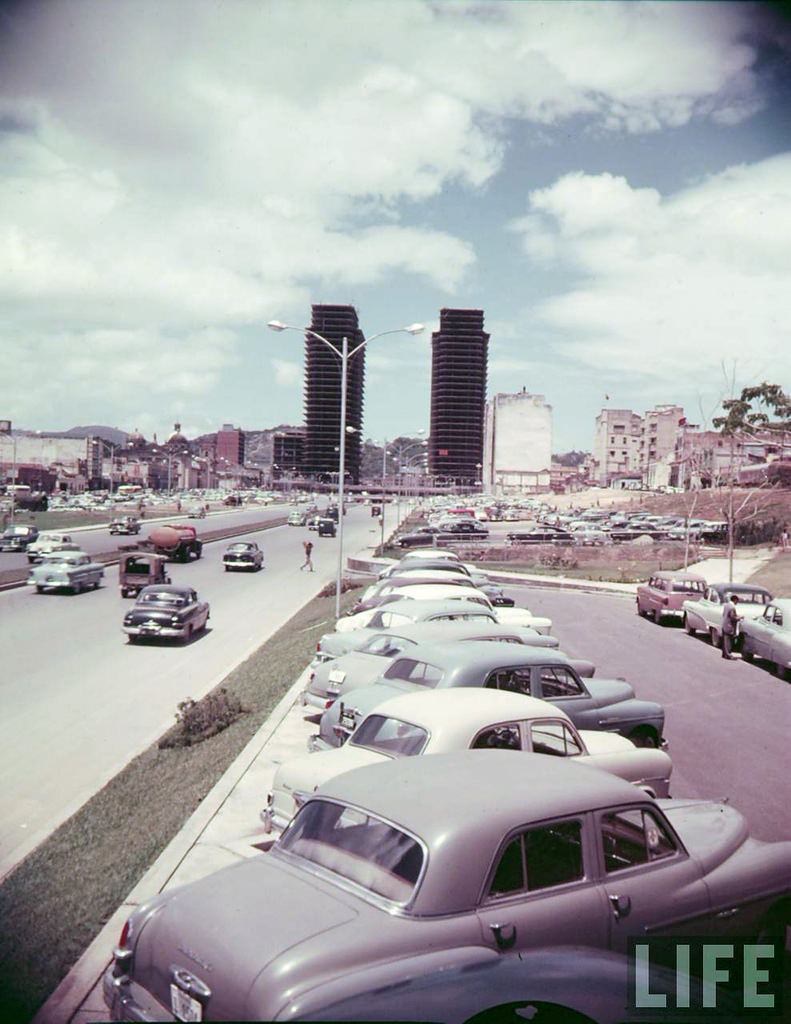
{"points": [[345, 355], [401, 452]]}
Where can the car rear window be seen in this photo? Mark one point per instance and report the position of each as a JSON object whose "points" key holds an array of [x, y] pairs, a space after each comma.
{"points": [[386, 646], [356, 846], [413, 671], [390, 736]]}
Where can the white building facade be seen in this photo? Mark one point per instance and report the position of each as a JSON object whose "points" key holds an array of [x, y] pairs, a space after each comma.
{"points": [[517, 444]]}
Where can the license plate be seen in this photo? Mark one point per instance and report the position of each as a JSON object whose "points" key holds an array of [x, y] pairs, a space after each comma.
{"points": [[183, 1006]]}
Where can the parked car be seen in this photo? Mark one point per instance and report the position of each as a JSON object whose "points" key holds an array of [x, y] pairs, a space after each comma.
{"points": [[167, 612], [463, 528], [407, 869], [124, 525], [608, 704], [408, 564], [705, 614], [138, 569], [243, 554], [440, 591], [768, 636], [296, 518], [665, 593], [48, 542], [368, 659], [17, 537], [445, 720], [196, 512], [66, 570], [327, 527], [541, 535], [425, 535]]}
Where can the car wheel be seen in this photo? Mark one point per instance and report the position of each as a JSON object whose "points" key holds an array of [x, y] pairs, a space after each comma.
{"points": [[774, 927], [226, 568], [132, 639], [644, 736], [96, 584], [535, 1011], [747, 655], [640, 611], [715, 638], [690, 629], [39, 589]]}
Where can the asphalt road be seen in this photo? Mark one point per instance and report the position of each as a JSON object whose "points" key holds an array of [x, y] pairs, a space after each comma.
{"points": [[78, 703], [727, 723], [95, 541]]}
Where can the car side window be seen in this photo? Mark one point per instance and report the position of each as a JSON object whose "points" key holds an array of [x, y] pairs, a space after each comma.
{"points": [[557, 681], [515, 680], [778, 618], [634, 837], [554, 738], [540, 858], [500, 737], [714, 597]]}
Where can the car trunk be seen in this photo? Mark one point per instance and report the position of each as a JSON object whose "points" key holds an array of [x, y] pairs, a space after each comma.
{"points": [[257, 909]]}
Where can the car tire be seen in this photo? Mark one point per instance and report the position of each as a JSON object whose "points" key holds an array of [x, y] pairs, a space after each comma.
{"points": [[132, 639], [226, 568], [747, 655], [690, 629], [775, 925], [644, 736], [39, 589], [640, 611], [714, 637]]}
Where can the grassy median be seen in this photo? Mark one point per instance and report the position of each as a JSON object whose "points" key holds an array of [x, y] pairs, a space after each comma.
{"points": [[61, 895]]}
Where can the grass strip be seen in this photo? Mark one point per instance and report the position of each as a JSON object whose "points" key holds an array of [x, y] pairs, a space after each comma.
{"points": [[60, 896]]}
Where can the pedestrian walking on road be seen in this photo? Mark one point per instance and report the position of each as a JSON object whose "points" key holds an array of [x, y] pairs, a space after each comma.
{"points": [[308, 546], [784, 539], [730, 625]]}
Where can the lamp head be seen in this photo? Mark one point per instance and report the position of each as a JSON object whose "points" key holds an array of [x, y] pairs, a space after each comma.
{"points": [[275, 325], [415, 329]]}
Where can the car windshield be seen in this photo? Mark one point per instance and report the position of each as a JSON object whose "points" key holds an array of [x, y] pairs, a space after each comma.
{"points": [[164, 597], [60, 559], [386, 646], [17, 531], [356, 846], [390, 736], [240, 547]]}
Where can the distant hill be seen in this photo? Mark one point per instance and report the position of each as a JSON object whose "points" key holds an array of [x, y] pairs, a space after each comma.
{"points": [[259, 444], [111, 434]]}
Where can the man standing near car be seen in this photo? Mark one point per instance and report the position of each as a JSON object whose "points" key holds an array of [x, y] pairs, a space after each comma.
{"points": [[730, 625]]}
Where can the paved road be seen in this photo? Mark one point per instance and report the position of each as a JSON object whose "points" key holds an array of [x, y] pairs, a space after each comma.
{"points": [[98, 540], [78, 703], [727, 723]]}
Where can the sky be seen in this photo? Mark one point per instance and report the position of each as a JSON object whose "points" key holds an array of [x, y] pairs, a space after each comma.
{"points": [[609, 182]]}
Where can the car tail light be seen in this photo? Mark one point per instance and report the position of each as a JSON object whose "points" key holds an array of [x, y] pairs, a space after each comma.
{"points": [[329, 703], [124, 940], [318, 645]]}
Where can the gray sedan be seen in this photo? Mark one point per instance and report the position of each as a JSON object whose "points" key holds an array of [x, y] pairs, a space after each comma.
{"points": [[406, 869], [377, 649], [608, 704]]}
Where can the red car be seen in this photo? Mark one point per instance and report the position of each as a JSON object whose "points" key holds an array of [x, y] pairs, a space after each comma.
{"points": [[665, 592]]}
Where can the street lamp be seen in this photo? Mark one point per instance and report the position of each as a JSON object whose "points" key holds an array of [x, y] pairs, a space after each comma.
{"points": [[345, 355]]}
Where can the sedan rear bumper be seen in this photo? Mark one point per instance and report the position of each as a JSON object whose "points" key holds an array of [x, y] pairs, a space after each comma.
{"points": [[169, 631]]}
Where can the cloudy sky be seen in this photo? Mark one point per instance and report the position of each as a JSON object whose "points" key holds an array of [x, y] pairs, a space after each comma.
{"points": [[610, 182]]}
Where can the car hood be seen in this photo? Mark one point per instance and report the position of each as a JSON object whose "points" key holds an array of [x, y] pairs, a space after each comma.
{"points": [[305, 774], [226, 928], [338, 644], [608, 691], [711, 831]]}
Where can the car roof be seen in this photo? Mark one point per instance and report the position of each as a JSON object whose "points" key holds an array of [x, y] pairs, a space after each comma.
{"points": [[462, 805], [420, 590], [419, 553], [739, 588], [69, 554], [483, 655], [668, 574], [465, 709], [170, 588], [435, 605], [448, 631]]}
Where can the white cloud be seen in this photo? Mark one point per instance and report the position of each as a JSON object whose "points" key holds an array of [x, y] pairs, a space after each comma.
{"points": [[170, 168], [670, 287], [287, 375]]}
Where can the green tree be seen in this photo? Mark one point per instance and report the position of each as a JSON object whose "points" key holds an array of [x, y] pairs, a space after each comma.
{"points": [[762, 408]]}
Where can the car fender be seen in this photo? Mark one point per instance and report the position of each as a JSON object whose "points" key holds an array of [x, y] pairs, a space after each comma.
{"points": [[633, 711], [459, 984]]}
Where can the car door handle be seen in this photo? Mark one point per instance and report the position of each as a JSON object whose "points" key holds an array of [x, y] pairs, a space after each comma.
{"points": [[621, 905], [504, 934], [723, 914]]}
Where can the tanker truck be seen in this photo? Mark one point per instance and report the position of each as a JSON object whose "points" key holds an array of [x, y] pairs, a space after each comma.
{"points": [[176, 542]]}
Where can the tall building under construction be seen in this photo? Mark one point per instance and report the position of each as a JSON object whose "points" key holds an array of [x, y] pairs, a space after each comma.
{"points": [[323, 393], [458, 395]]}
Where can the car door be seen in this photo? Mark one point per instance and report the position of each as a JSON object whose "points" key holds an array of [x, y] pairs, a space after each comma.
{"points": [[763, 631], [652, 886], [562, 687], [542, 891]]}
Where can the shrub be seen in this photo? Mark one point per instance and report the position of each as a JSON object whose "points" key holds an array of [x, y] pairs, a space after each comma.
{"points": [[346, 584], [198, 720]]}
